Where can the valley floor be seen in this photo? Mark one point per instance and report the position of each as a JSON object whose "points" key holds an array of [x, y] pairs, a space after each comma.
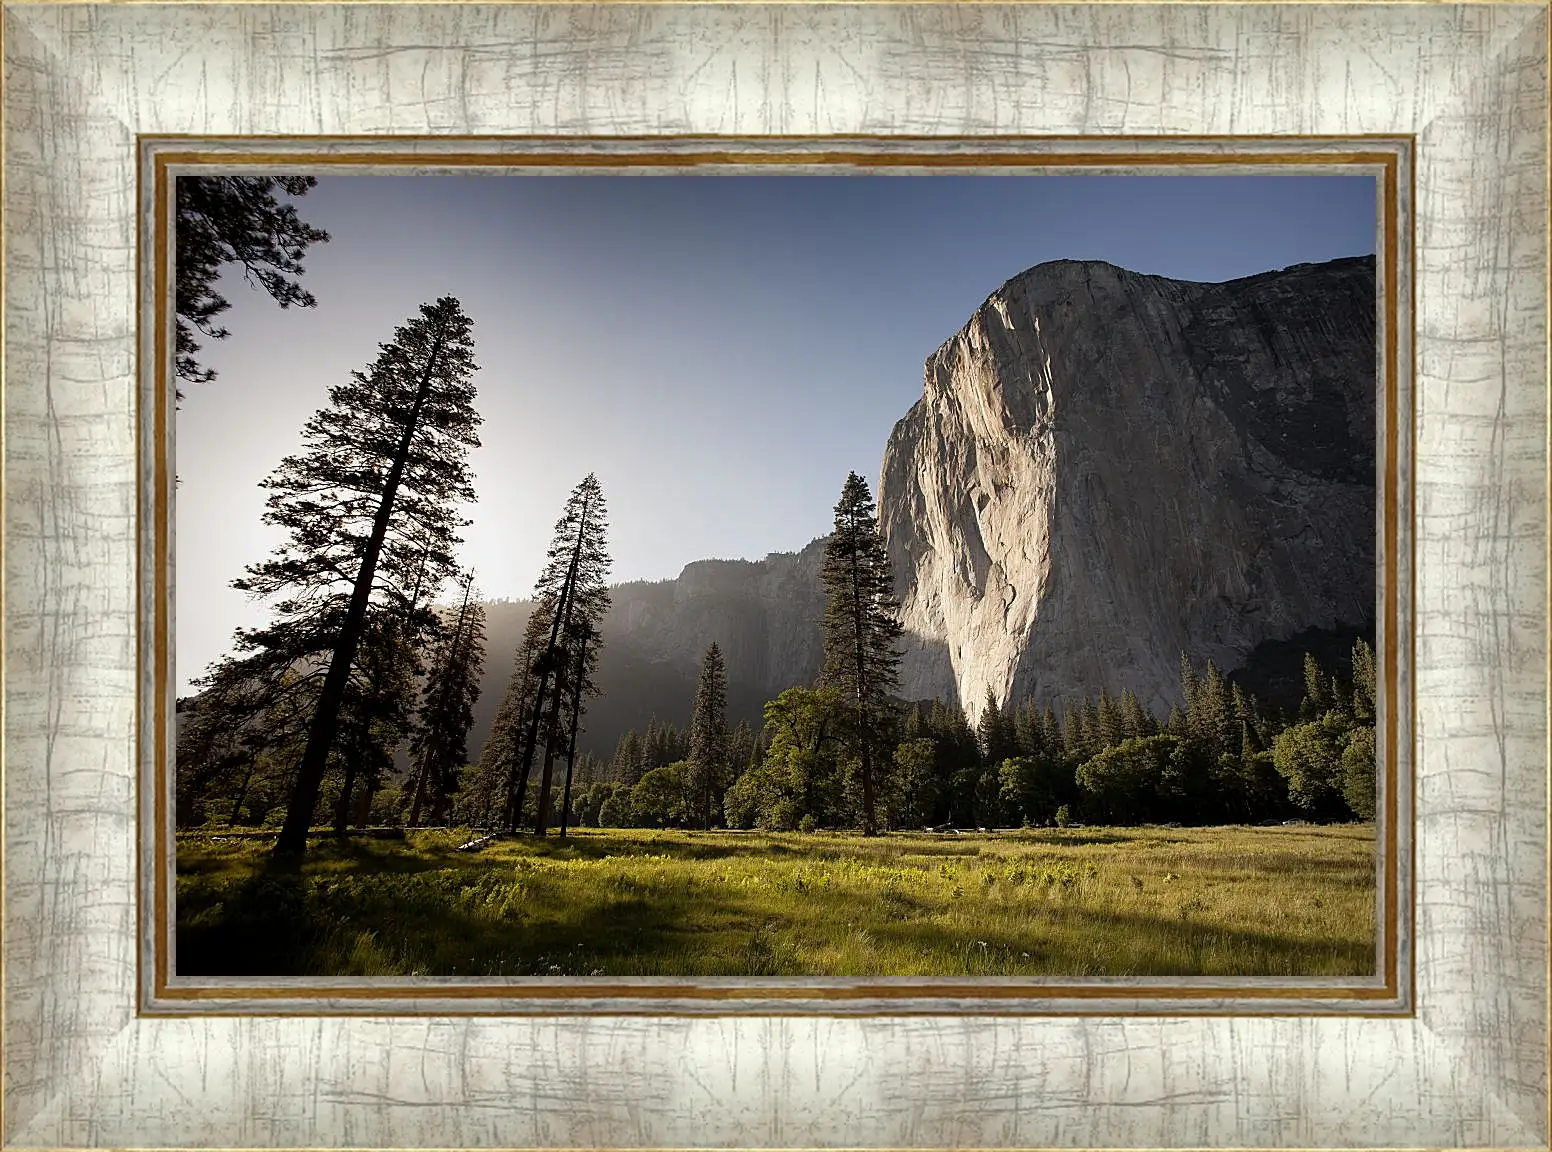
{"points": [[1153, 901]]}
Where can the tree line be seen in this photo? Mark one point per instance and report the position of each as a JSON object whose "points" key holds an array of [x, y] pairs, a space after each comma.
{"points": [[843, 754]]}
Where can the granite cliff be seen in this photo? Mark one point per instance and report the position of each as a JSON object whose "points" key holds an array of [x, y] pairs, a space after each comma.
{"points": [[1106, 469]]}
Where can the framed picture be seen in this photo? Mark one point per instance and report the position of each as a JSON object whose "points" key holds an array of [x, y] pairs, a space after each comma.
{"points": [[1043, 644], [1115, 853]]}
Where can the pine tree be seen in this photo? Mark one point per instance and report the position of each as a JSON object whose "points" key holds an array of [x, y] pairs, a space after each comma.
{"points": [[1026, 729], [1212, 718], [1188, 683], [993, 733], [495, 781], [378, 710], [652, 746], [861, 627], [1247, 714], [234, 220], [1135, 721], [709, 743], [1074, 742], [1317, 690], [741, 748], [625, 765], [369, 506], [1109, 721], [1051, 733], [1088, 726], [1363, 683], [240, 714], [573, 589], [452, 686]]}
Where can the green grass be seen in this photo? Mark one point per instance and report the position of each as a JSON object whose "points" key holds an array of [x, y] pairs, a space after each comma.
{"points": [[1284, 901]]}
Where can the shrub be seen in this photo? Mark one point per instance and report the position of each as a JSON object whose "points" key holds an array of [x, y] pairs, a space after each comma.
{"points": [[1358, 773], [659, 798], [1309, 757], [1123, 784], [1034, 787], [615, 809]]}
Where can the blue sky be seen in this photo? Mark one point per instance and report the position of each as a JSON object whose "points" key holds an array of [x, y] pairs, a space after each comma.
{"points": [[720, 350]]}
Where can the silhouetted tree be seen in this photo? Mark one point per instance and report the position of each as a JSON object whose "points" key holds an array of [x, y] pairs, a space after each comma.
{"points": [[573, 588], [439, 748], [372, 495], [234, 220], [585, 642], [376, 715], [494, 789]]}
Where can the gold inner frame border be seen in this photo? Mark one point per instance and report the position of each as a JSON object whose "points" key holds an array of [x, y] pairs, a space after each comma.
{"points": [[161, 995]]}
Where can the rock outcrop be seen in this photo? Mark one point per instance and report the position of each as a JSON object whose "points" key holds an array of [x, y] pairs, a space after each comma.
{"points": [[1106, 469]]}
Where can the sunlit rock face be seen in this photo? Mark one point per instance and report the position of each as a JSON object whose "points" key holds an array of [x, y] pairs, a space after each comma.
{"points": [[1106, 469]]}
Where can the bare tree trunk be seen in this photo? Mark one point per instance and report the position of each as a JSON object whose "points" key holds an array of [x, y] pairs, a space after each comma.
{"points": [[542, 816], [242, 792], [420, 795], [342, 809], [362, 816], [571, 747], [548, 662], [320, 735]]}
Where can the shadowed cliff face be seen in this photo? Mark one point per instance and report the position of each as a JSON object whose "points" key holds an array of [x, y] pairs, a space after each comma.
{"points": [[1107, 469], [764, 614]]}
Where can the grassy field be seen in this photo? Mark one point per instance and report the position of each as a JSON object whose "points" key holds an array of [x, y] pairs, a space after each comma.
{"points": [[1236, 901]]}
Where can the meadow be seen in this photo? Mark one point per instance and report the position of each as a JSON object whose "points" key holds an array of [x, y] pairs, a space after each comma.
{"points": [[1078, 902]]}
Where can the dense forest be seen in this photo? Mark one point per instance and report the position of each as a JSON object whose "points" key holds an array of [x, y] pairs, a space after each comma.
{"points": [[1219, 760]]}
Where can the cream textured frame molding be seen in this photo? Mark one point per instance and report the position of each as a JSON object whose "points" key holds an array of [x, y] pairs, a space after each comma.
{"points": [[84, 81]]}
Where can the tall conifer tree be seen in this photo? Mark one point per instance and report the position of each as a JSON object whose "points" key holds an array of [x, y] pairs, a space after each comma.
{"points": [[709, 739], [573, 589], [376, 715], [994, 733], [370, 499], [579, 679], [495, 780], [861, 629]]}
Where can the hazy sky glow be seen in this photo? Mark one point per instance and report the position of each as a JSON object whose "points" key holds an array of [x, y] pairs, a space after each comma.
{"points": [[720, 350]]}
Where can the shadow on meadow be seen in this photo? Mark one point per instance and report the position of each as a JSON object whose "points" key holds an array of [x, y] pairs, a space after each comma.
{"points": [[1069, 940], [708, 904], [285, 922]]}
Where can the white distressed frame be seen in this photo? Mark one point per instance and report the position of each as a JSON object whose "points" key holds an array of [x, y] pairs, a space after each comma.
{"points": [[83, 1069]]}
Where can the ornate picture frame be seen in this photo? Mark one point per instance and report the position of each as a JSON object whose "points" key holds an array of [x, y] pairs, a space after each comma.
{"points": [[97, 1052]]}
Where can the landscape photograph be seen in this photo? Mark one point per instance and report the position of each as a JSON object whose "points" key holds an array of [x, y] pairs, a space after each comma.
{"points": [[583, 575]]}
